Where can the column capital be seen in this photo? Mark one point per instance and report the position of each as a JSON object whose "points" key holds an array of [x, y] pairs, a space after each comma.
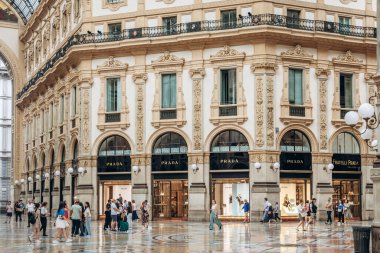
{"points": [[197, 73], [140, 78], [322, 73]]}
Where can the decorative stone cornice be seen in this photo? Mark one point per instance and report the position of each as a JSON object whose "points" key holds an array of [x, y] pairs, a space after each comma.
{"points": [[227, 53], [347, 1], [297, 53], [168, 59], [347, 58], [263, 67], [112, 64]]}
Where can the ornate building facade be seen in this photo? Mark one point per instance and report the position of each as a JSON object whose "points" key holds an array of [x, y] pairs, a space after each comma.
{"points": [[184, 101]]}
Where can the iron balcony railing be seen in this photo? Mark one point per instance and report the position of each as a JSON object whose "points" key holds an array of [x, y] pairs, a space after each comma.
{"points": [[297, 111], [201, 26]]}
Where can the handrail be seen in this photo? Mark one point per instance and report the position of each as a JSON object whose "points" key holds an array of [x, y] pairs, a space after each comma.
{"points": [[202, 26]]}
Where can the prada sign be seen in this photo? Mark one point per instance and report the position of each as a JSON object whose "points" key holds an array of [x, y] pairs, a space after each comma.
{"points": [[114, 164], [295, 161], [173, 162], [229, 161], [346, 162]]}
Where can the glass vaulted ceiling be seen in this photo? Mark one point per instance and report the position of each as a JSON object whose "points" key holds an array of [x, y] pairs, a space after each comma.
{"points": [[24, 8]]}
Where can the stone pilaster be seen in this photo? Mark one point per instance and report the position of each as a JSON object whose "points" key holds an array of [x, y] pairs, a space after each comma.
{"points": [[140, 80]]}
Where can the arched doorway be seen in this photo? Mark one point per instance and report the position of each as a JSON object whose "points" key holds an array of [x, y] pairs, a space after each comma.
{"points": [[51, 182], [42, 176], [295, 172], [169, 174], [62, 169], [114, 170], [346, 175], [229, 172]]}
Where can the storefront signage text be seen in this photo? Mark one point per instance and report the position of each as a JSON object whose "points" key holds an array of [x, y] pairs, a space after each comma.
{"points": [[295, 161], [169, 162], [229, 161], [346, 162]]}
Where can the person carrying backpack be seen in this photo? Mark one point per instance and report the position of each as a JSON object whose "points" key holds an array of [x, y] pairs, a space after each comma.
{"points": [[35, 220]]}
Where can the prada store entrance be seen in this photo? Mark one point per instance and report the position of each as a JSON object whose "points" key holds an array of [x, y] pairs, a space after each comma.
{"points": [[169, 174], [170, 199]]}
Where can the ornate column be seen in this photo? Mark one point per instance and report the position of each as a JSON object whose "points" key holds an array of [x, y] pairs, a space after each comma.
{"points": [[141, 179], [264, 181], [198, 202]]}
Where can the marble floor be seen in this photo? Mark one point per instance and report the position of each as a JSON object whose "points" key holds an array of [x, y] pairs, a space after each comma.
{"points": [[181, 237]]}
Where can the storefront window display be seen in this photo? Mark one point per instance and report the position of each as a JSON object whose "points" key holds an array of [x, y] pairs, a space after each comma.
{"points": [[230, 195], [291, 192]]}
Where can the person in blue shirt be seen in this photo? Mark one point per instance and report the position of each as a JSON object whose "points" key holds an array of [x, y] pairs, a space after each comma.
{"points": [[246, 208], [340, 213]]}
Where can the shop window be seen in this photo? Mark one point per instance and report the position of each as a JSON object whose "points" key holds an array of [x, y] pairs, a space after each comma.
{"points": [[293, 19], [169, 25], [114, 146], [346, 143], [228, 19], [114, 155], [168, 96], [170, 143], [295, 141]]}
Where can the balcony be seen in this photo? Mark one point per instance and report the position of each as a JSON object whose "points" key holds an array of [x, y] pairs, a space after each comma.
{"points": [[227, 111], [200, 26], [296, 111], [168, 114], [112, 117]]}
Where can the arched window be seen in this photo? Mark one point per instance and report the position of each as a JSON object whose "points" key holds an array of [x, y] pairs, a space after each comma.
{"points": [[114, 155], [170, 143], [75, 154], [295, 141], [114, 146], [63, 154], [230, 141], [345, 143]]}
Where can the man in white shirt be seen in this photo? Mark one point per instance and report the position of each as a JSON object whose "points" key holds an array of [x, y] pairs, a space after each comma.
{"points": [[266, 207], [30, 208], [114, 212]]}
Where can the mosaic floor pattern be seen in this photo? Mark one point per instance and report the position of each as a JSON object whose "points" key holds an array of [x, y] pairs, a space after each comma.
{"points": [[181, 237]]}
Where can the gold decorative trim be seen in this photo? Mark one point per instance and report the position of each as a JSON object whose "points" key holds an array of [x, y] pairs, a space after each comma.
{"points": [[168, 63], [114, 6]]}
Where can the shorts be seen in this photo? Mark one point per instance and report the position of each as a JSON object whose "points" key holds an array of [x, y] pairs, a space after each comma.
{"points": [[114, 217], [9, 214], [313, 215]]}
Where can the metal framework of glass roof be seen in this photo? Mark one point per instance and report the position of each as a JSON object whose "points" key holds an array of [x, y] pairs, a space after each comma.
{"points": [[25, 8]]}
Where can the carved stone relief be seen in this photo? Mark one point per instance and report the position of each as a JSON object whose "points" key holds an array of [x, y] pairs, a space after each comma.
{"points": [[85, 120], [114, 6], [140, 80], [322, 76], [259, 112], [197, 76], [270, 111]]}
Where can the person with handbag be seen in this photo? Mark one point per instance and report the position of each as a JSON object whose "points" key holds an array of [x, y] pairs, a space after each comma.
{"points": [[214, 216], [302, 213], [61, 224], [35, 220]]}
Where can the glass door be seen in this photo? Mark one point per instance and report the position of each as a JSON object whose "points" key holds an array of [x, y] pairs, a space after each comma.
{"points": [[170, 199], [348, 190]]}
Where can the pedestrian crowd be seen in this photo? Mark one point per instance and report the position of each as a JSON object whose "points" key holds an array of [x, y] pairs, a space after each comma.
{"points": [[75, 221]]}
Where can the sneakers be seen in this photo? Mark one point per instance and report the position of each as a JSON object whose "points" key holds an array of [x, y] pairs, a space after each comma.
{"points": [[55, 242], [30, 238], [38, 241]]}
